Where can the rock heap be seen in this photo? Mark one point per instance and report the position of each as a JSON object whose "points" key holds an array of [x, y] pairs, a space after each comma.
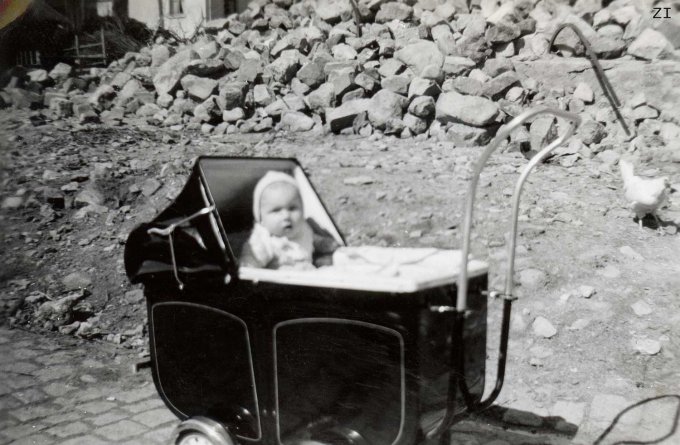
{"points": [[431, 68]]}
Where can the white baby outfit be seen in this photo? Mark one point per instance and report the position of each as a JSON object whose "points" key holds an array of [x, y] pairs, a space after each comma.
{"points": [[265, 250]]}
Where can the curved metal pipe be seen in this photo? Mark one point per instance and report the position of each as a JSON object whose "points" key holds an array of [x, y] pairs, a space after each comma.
{"points": [[538, 157], [457, 373], [461, 303], [599, 72]]}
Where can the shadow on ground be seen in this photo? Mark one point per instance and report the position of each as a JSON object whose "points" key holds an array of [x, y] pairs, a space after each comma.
{"points": [[527, 428]]}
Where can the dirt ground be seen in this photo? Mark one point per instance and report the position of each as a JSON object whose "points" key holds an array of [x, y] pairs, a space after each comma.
{"points": [[575, 232]]}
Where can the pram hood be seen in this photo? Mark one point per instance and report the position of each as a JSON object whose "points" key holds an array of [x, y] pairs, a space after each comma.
{"points": [[205, 227]]}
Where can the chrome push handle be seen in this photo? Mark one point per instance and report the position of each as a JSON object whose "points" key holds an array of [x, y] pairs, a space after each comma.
{"points": [[503, 133]]}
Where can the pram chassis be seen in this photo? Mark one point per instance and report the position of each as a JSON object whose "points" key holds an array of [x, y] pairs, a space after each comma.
{"points": [[448, 308]]}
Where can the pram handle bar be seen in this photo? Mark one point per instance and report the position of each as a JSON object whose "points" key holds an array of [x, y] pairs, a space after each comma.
{"points": [[504, 132], [457, 373]]}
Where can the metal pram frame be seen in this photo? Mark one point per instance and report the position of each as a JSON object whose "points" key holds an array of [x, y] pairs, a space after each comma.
{"points": [[212, 432]]}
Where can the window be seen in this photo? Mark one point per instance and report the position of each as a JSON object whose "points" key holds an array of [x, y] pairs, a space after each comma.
{"points": [[175, 7], [229, 7]]}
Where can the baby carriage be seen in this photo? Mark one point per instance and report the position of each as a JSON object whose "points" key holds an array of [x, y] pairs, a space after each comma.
{"points": [[387, 346]]}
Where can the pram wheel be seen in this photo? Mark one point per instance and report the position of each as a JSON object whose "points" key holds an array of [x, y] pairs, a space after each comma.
{"points": [[341, 436], [201, 431]]}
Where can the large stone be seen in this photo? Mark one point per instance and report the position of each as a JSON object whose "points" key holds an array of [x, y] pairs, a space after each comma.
{"points": [[421, 56], [262, 96], [393, 11], [645, 112], [625, 15], [120, 79], [497, 87], [473, 48], [470, 110], [367, 82], [444, 38], [649, 45], [385, 105], [206, 68], [89, 196], [342, 80], [296, 121], [430, 19], [671, 30], [321, 98], [422, 107], [39, 75], [533, 278], [232, 94], [233, 59], [397, 84], [288, 41], [164, 100], [543, 328], [233, 115], [208, 111], [457, 65], [168, 76], [332, 11], [591, 132], [542, 131], [390, 67], [611, 31], [502, 33], [198, 88], [61, 72], [464, 85], [497, 13], [311, 74], [85, 113], [159, 55], [343, 116], [283, 69], [584, 92], [289, 102], [21, 98], [130, 90], [206, 49], [496, 66], [12, 202], [61, 107], [414, 123], [467, 136], [147, 110], [423, 87], [472, 26], [59, 312], [343, 51], [102, 98], [608, 48], [647, 346]]}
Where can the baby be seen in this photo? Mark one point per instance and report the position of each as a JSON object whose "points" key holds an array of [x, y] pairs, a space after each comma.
{"points": [[281, 237]]}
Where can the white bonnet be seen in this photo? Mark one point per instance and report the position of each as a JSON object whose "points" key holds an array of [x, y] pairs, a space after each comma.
{"points": [[268, 179]]}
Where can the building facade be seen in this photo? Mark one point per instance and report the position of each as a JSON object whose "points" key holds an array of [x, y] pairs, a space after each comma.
{"points": [[182, 16]]}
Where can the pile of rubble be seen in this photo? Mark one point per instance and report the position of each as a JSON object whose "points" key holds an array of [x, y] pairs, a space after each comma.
{"points": [[429, 68]]}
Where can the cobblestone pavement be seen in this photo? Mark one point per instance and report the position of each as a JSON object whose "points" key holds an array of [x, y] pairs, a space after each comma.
{"points": [[60, 390]]}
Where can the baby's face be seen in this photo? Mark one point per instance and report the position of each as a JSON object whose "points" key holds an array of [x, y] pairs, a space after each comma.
{"points": [[281, 210]]}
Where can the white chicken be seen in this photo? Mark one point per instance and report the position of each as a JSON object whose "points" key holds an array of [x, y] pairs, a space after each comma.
{"points": [[645, 195]]}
